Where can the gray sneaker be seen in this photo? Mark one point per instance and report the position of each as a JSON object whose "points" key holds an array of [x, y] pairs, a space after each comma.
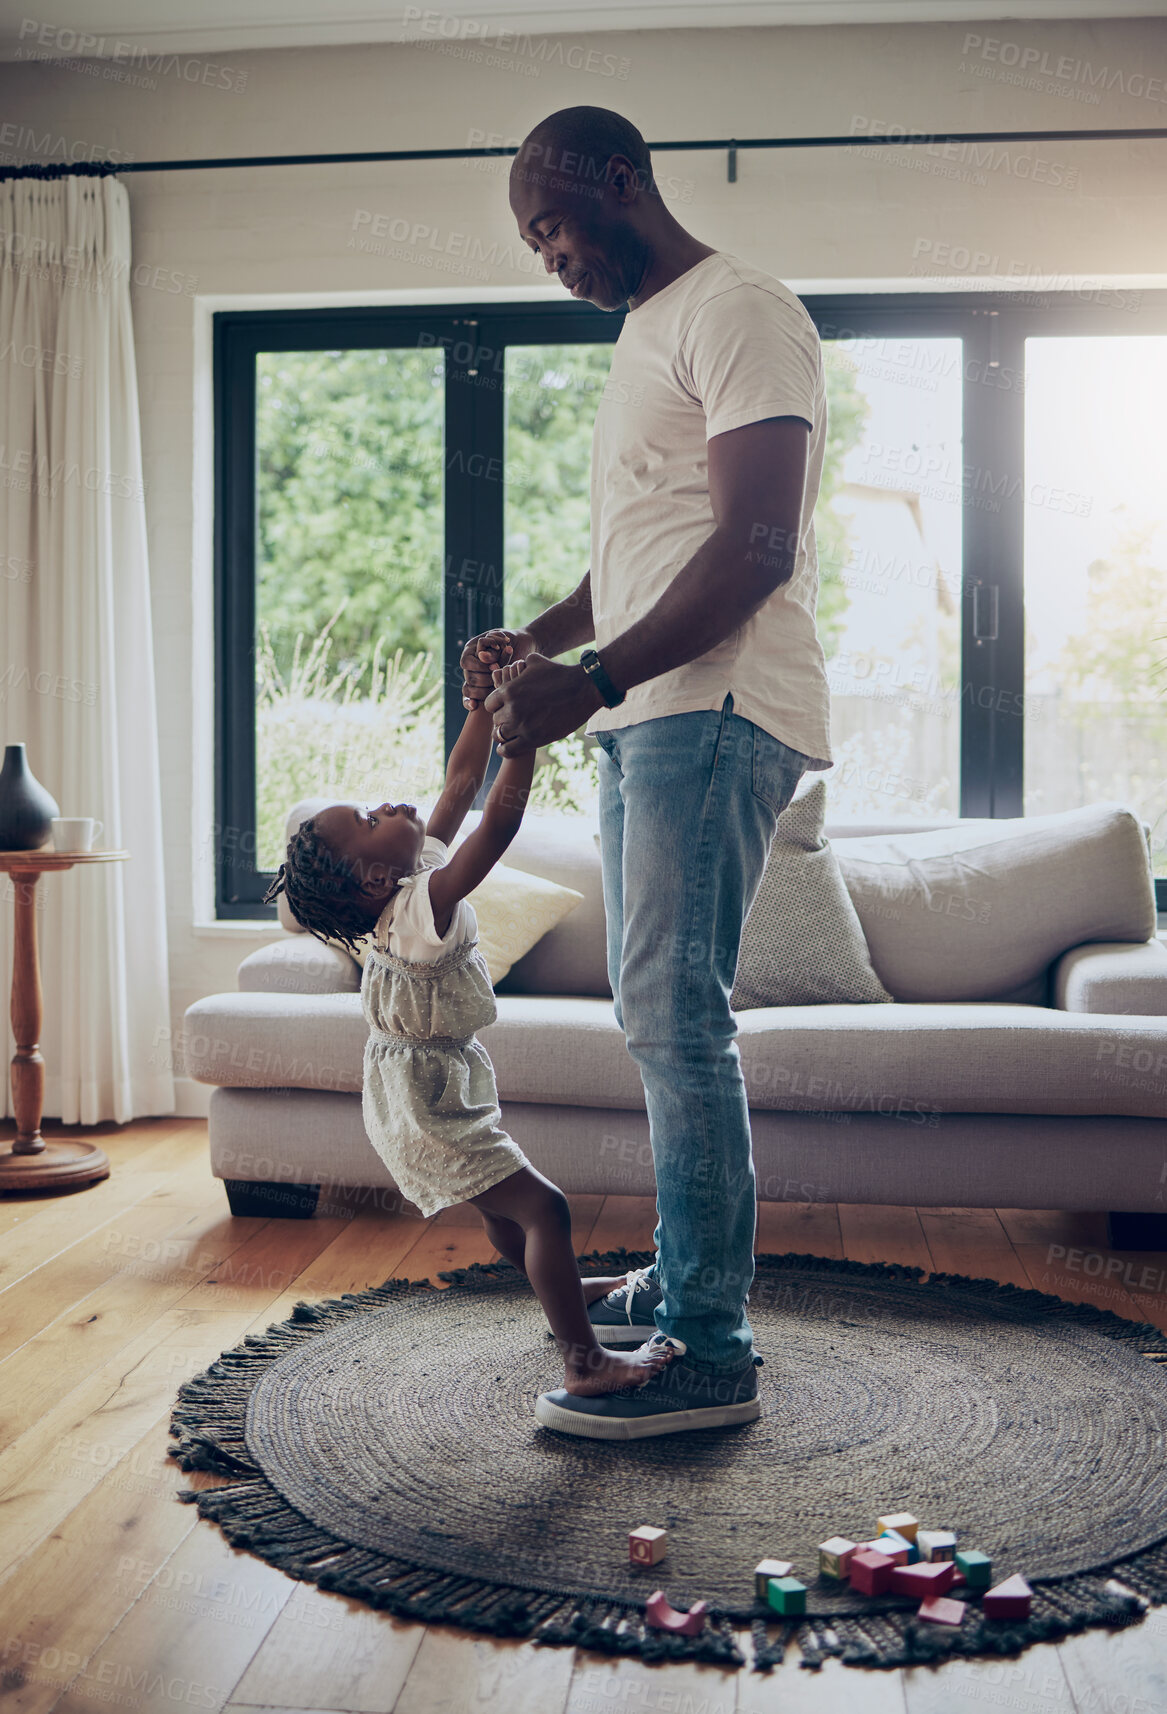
{"points": [[677, 1399], [625, 1316]]}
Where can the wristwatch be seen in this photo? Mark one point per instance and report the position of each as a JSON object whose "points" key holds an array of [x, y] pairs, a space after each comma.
{"points": [[591, 664]]}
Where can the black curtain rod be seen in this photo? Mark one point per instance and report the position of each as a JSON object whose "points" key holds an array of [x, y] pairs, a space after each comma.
{"points": [[731, 144]]}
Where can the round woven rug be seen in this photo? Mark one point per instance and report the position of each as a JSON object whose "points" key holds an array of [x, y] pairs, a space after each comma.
{"points": [[384, 1445]]}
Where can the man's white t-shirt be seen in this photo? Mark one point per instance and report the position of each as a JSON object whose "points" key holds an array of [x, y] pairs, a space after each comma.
{"points": [[721, 346]]}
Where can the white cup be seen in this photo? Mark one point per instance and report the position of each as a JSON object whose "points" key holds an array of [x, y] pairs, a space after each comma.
{"points": [[75, 833]]}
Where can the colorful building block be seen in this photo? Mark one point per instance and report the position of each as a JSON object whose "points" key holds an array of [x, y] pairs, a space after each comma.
{"points": [[647, 1546], [662, 1617], [835, 1557], [765, 1570], [977, 1567], [1009, 1600], [923, 1579], [871, 1573], [936, 1544], [901, 1551], [786, 1595], [941, 1611], [902, 1522]]}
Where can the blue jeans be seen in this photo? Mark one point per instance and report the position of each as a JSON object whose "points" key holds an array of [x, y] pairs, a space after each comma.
{"points": [[688, 805]]}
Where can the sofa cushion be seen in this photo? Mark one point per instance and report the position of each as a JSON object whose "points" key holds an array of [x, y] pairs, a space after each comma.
{"points": [[571, 957], [299, 964], [802, 943], [1120, 977], [909, 1060], [515, 909], [978, 911]]}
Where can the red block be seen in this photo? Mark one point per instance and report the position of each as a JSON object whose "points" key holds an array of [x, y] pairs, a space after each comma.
{"points": [[871, 1572], [1009, 1600], [927, 1577], [941, 1610], [663, 1617]]}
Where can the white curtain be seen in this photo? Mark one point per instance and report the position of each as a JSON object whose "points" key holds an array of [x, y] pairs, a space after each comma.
{"points": [[76, 664]]}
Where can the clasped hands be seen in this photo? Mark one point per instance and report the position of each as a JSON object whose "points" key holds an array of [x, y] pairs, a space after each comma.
{"points": [[547, 700]]}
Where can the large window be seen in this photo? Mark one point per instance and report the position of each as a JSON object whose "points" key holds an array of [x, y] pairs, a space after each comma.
{"points": [[991, 527], [387, 485], [889, 536], [1096, 575]]}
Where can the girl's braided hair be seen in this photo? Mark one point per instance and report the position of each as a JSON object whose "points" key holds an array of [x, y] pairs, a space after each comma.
{"points": [[321, 889]]}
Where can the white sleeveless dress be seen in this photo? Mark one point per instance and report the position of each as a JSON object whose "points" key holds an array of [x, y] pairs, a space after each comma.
{"points": [[430, 1101]]}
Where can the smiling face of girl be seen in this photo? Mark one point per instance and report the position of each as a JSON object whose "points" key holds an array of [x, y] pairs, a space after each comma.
{"points": [[381, 843]]}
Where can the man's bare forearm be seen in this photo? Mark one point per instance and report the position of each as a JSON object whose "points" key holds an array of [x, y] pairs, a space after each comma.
{"points": [[568, 624], [712, 595]]}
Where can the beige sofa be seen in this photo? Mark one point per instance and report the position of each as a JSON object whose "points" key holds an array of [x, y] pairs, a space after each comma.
{"points": [[1049, 1091]]}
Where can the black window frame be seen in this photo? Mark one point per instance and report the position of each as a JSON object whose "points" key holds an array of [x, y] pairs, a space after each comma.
{"points": [[992, 326]]}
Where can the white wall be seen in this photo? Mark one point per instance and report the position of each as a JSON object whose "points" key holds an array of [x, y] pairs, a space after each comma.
{"points": [[811, 216]]}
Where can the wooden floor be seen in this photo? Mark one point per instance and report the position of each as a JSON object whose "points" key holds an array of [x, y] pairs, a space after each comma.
{"points": [[113, 1594]]}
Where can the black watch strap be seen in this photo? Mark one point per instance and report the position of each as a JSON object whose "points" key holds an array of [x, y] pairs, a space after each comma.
{"points": [[591, 664]]}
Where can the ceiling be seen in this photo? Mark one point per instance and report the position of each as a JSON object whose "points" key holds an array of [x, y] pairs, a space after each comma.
{"points": [[221, 26]]}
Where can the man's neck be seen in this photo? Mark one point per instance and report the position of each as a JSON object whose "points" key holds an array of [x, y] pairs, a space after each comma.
{"points": [[671, 257]]}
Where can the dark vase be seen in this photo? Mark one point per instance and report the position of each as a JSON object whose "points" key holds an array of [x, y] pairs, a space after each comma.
{"points": [[26, 808]]}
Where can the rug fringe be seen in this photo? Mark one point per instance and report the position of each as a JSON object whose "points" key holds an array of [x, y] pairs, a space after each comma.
{"points": [[899, 1638], [208, 1429], [1150, 1339]]}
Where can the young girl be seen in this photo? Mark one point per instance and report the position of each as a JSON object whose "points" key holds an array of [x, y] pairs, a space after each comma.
{"points": [[430, 1103]]}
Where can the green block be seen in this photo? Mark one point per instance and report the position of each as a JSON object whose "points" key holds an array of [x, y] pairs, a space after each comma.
{"points": [[977, 1568], [786, 1595]]}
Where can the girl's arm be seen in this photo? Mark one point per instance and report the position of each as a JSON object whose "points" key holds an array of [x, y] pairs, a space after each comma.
{"points": [[465, 772], [483, 848]]}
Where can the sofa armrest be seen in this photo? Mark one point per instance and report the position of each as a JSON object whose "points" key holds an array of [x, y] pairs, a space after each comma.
{"points": [[1112, 976], [299, 964]]}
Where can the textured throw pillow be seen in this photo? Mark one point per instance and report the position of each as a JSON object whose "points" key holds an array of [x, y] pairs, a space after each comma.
{"points": [[802, 944], [514, 910]]}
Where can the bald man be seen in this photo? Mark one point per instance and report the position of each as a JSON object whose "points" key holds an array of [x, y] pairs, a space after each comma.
{"points": [[707, 694]]}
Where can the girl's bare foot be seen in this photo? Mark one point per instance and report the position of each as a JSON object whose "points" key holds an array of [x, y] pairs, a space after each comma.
{"points": [[605, 1371]]}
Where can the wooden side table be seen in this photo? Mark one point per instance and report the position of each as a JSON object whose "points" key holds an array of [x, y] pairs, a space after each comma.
{"points": [[31, 1163]]}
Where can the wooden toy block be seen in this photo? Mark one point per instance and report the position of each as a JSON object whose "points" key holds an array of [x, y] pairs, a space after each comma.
{"points": [[835, 1556], [977, 1567], [936, 1544], [786, 1595], [871, 1573], [770, 1568], [895, 1547], [941, 1611], [902, 1522], [647, 1546], [662, 1617], [923, 1579], [1009, 1600]]}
